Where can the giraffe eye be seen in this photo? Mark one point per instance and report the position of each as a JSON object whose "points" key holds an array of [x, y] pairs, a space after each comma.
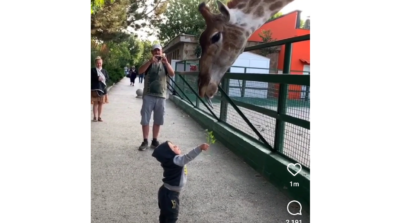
{"points": [[215, 38]]}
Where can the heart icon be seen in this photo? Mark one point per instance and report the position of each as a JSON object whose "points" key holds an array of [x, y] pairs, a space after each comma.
{"points": [[297, 165]]}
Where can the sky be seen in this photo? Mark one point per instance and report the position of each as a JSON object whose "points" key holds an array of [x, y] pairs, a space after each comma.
{"points": [[302, 5]]}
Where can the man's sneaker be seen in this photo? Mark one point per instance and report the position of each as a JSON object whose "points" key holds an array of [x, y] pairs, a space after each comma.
{"points": [[144, 146], [154, 144]]}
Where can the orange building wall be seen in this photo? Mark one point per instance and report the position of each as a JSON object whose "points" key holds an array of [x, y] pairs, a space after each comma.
{"points": [[300, 50], [281, 28], [284, 28]]}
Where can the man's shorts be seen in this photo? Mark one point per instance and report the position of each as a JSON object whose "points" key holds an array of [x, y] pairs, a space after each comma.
{"points": [[150, 104]]}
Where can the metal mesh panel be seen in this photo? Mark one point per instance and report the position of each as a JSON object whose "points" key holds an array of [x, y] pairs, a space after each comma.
{"points": [[185, 91], [298, 102], [215, 103], [297, 143], [264, 124], [257, 93], [191, 80]]}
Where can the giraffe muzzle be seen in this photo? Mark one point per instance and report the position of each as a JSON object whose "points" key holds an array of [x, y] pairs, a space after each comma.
{"points": [[208, 90]]}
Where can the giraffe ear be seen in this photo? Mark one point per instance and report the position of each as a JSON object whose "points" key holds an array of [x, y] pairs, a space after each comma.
{"points": [[205, 12], [223, 9]]}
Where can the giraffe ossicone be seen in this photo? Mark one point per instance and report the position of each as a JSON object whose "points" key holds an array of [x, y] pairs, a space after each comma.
{"points": [[226, 35]]}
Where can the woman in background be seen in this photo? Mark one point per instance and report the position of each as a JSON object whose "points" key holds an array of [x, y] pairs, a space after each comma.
{"points": [[99, 77]]}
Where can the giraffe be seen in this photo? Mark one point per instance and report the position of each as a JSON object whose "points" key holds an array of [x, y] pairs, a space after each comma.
{"points": [[226, 35]]}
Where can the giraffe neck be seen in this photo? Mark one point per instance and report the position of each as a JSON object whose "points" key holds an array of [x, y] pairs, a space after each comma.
{"points": [[252, 14], [249, 22]]}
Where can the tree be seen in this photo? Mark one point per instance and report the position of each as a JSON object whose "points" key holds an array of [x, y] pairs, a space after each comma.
{"points": [[145, 53], [266, 36], [146, 12], [110, 19], [302, 22], [182, 16], [98, 4], [135, 49]]}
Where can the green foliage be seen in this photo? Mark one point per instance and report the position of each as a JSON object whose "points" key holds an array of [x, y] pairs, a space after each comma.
{"points": [[110, 19], [98, 4], [278, 14], [145, 53], [115, 55], [110, 38], [182, 16], [302, 23], [266, 36], [210, 139], [118, 54], [115, 73]]}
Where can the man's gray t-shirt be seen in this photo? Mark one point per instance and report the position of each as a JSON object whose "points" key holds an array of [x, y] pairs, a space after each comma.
{"points": [[155, 81]]}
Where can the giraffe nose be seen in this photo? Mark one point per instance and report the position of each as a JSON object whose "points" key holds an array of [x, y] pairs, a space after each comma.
{"points": [[201, 91], [211, 89]]}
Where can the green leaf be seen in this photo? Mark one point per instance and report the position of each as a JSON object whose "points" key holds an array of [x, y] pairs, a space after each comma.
{"points": [[210, 139]]}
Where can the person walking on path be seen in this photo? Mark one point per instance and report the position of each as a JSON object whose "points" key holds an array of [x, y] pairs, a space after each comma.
{"points": [[154, 94], [133, 75]]}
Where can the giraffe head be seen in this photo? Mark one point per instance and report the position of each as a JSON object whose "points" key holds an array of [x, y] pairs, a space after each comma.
{"points": [[226, 35]]}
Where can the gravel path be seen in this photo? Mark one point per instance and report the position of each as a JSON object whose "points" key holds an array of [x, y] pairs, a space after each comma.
{"points": [[125, 181]]}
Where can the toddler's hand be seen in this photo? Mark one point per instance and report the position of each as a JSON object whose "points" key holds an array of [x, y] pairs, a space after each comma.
{"points": [[204, 146]]}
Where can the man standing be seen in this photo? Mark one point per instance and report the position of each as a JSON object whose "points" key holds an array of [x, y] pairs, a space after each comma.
{"points": [[154, 94]]}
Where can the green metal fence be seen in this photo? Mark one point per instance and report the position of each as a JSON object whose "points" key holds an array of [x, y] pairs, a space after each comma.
{"points": [[271, 108]]}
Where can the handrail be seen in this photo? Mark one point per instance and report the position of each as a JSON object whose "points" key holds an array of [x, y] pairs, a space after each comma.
{"points": [[279, 42], [273, 78]]}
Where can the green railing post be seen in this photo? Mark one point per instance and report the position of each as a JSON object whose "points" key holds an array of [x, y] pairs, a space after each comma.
{"points": [[225, 83], [184, 69], [282, 98], [196, 98], [307, 90], [197, 101], [243, 86]]}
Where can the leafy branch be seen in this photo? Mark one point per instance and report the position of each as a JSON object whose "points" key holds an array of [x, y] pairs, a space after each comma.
{"points": [[210, 139]]}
